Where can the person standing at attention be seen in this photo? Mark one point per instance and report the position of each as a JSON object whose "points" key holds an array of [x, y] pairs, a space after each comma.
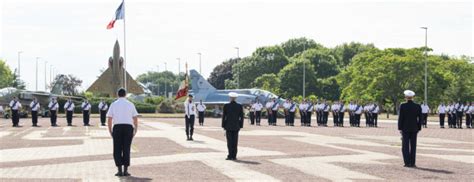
{"points": [[232, 122], [123, 126], [409, 124]]}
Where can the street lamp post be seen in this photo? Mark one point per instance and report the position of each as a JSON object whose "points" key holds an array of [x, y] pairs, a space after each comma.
{"points": [[45, 79], [37, 58], [19, 53], [166, 86], [199, 63], [238, 76], [426, 64], [304, 74], [237, 48], [179, 65], [50, 73]]}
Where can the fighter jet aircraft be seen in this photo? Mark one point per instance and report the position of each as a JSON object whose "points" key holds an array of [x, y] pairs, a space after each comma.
{"points": [[26, 96], [203, 90]]}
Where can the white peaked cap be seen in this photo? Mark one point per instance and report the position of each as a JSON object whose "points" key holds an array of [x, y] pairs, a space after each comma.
{"points": [[233, 95], [409, 93]]}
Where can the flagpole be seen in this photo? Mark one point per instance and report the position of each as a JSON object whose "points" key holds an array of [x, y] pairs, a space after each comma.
{"points": [[124, 49]]}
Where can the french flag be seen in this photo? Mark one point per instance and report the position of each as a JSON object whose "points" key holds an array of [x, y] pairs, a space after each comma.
{"points": [[119, 14]]}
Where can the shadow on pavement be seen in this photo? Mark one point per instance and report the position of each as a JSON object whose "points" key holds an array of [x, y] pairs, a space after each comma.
{"points": [[434, 170]]}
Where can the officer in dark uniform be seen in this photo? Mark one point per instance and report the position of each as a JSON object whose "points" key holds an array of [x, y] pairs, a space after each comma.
{"points": [[232, 122], [409, 124], [15, 107]]}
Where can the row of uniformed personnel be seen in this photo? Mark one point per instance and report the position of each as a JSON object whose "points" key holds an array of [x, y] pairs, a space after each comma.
{"points": [[321, 109], [53, 107]]}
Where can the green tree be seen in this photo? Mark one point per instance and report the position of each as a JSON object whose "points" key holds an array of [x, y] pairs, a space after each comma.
{"points": [[264, 60], [6, 76], [269, 82], [345, 52], [291, 77], [161, 82], [298, 45], [221, 73]]}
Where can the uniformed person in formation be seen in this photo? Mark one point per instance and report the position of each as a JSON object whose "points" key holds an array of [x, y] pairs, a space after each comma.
{"points": [[424, 111], [201, 108], [335, 113], [451, 115], [69, 109], [291, 111], [309, 111], [409, 124], [15, 107], [232, 122], [459, 108], [275, 108], [190, 113], [258, 111], [86, 107], [302, 108], [325, 109], [469, 108], [374, 113], [103, 111], [53, 111], [442, 114], [35, 107], [318, 112], [350, 110], [341, 110], [367, 115], [286, 106], [268, 107], [123, 126], [252, 113], [357, 112]]}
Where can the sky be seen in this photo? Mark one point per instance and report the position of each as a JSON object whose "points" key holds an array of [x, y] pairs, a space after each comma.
{"points": [[71, 35]]}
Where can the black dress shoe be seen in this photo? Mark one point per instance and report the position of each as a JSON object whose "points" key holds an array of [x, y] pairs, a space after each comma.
{"points": [[119, 173], [191, 138], [103, 125], [126, 173], [406, 165], [228, 158]]}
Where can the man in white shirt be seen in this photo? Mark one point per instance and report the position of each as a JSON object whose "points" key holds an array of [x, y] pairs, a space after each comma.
{"points": [[258, 111], [252, 113], [15, 107], [325, 109], [374, 112], [458, 109], [123, 117], [467, 111], [424, 112], [201, 108], [357, 109], [35, 106], [268, 106], [350, 110], [342, 109], [53, 111], [103, 111], [451, 116], [302, 108], [69, 109], [86, 106], [275, 108], [309, 112], [442, 114], [190, 112], [292, 110], [335, 113], [286, 106]]}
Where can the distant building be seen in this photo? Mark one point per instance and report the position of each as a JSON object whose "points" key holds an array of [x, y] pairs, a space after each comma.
{"points": [[113, 78]]}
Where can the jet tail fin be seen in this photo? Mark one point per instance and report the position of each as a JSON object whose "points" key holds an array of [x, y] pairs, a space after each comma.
{"points": [[198, 83], [57, 88]]}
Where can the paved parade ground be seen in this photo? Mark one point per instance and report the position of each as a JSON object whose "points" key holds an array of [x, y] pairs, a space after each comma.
{"points": [[160, 152]]}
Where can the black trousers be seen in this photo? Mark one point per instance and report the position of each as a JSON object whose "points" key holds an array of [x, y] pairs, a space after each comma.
{"points": [[287, 118], [103, 115], [189, 125], [269, 116], [292, 118], [351, 118], [375, 117], [341, 119], [232, 142], [441, 119], [34, 117], [274, 117], [252, 118], [303, 117], [468, 120], [367, 120], [318, 117], [69, 117], [325, 118], [425, 118], [201, 117], [122, 136], [85, 117], [335, 116], [409, 147], [258, 115], [53, 117], [308, 118], [459, 119], [357, 120], [453, 119], [15, 117]]}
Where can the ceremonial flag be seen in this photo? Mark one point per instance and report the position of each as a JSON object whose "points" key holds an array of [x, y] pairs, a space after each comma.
{"points": [[183, 87], [119, 14]]}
